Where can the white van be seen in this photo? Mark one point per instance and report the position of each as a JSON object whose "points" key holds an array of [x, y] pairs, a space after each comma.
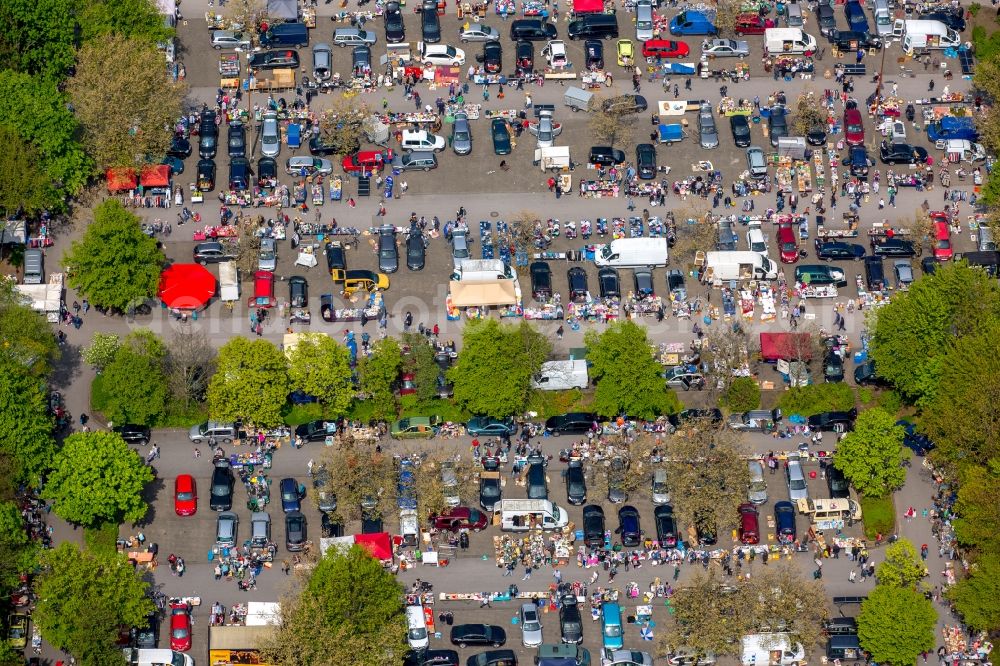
{"points": [[922, 34], [633, 253], [740, 265], [788, 41], [409, 527], [416, 628], [772, 649], [522, 515], [156, 657], [883, 18], [755, 238], [562, 375]]}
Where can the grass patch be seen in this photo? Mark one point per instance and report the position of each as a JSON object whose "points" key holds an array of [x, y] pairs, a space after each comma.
{"points": [[552, 403], [298, 414], [879, 516], [816, 398], [102, 538], [890, 401], [98, 394], [446, 409]]}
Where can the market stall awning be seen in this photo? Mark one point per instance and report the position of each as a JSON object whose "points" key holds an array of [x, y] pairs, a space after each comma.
{"points": [[13, 232], [155, 175], [186, 286], [473, 294], [287, 10], [588, 6], [787, 346], [378, 544], [121, 179]]}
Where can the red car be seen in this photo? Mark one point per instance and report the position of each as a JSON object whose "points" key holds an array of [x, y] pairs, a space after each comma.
{"points": [[751, 24], [263, 291], [943, 251], [664, 48], [788, 244], [854, 126], [185, 495], [180, 627], [367, 161], [460, 518], [407, 384], [749, 524]]}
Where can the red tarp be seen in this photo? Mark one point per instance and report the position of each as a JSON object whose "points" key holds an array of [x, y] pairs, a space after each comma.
{"points": [[379, 544], [121, 180], [787, 346], [588, 6], [186, 286], [155, 175]]}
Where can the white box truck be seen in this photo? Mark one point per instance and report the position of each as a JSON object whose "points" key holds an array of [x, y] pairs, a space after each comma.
{"points": [[562, 375], [229, 282], [523, 515], [771, 650], [633, 253], [739, 265], [788, 41], [925, 35]]}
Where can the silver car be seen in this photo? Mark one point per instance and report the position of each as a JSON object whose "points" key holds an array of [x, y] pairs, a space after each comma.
{"points": [[626, 658], [225, 528], [268, 258], [725, 48], [296, 166], [227, 39], [546, 130], [531, 626], [708, 133], [644, 20], [354, 37], [477, 32], [322, 61], [460, 247], [270, 136], [461, 135], [904, 273]]}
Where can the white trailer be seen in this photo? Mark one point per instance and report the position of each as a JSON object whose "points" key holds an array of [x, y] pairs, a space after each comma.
{"points": [[739, 265], [229, 282], [552, 157]]}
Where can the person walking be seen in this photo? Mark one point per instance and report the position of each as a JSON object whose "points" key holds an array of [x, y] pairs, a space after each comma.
{"points": [[852, 576], [559, 332], [527, 573]]}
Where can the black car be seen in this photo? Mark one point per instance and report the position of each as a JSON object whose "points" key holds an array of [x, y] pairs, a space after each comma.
{"points": [[415, 251], [208, 137], [430, 24], [267, 172], [574, 423], [833, 421], [179, 147], [953, 20], [593, 526], [893, 247], [777, 124], [626, 104], [278, 59], [705, 530], [628, 526], [315, 431], [205, 175], [395, 31], [576, 483], [901, 153], [388, 253], [492, 57], [221, 488], [371, 524], [533, 30], [645, 160], [784, 521], [237, 140], [593, 53], [839, 250], [666, 525], [295, 531], [336, 259], [850, 40], [833, 368], [837, 483], [741, 130], [464, 635], [146, 637], [859, 162], [570, 620], [864, 375], [918, 442], [501, 136], [492, 658], [490, 489], [319, 148], [329, 527], [608, 282], [239, 174], [431, 658], [577, 278], [133, 433], [606, 156], [524, 57], [298, 291], [541, 280], [712, 415], [642, 280]]}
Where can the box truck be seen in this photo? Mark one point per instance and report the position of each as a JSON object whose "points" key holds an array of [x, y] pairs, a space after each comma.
{"points": [[739, 265], [788, 41]]}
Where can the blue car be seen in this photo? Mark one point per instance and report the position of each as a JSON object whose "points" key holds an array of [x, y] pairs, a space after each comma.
{"points": [[485, 426], [692, 23], [291, 495], [918, 443]]}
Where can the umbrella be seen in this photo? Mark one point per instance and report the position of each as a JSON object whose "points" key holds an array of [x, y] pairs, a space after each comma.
{"points": [[646, 633]]}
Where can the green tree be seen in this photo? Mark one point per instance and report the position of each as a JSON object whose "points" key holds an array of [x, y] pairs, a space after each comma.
{"points": [[38, 37], [136, 19], [912, 334], [125, 100], [329, 622], [321, 367], [250, 383], [97, 478], [25, 423], [896, 624], [977, 522], [420, 362], [26, 339], [24, 188], [379, 374], [43, 117], [629, 379], [115, 264], [139, 386], [101, 351], [871, 455], [501, 358], [743, 395], [817, 398], [975, 596], [902, 566], [18, 553], [84, 598]]}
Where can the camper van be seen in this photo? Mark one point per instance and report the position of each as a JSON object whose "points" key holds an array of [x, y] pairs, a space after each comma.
{"points": [[522, 515], [830, 513], [562, 375], [788, 41], [633, 253], [925, 35], [740, 265], [773, 649]]}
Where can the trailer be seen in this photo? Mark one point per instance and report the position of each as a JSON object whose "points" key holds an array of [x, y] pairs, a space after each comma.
{"points": [[552, 157], [229, 282]]}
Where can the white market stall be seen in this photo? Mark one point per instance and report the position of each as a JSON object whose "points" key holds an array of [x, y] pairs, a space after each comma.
{"points": [[47, 298]]}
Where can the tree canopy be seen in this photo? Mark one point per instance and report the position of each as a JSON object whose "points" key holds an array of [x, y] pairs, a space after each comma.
{"points": [[871, 455], [24, 188], [26, 339], [189, 365], [628, 377], [896, 624], [18, 553], [330, 622], [364, 479], [84, 597], [25, 423], [135, 19], [97, 478], [902, 566], [502, 358], [322, 368], [379, 374], [421, 363], [39, 37], [135, 376], [115, 264], [250, 383], [975, 596], [125, 100], [977, 522]]}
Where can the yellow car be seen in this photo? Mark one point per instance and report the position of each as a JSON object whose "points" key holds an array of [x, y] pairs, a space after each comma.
{"points": [[17, 630], [626, 53], [360, 280]]}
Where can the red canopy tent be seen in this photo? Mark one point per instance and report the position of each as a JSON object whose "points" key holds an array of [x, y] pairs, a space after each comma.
{"points": [[786, 346], [378, 544], [155, 175], [588, 6], [121, 180], [186, 286]]}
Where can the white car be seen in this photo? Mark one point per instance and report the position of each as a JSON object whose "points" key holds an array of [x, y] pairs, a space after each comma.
{"points": [[270, 136], [625, 658], [555, 54], [227, 39], [441, 54], [725, 48], [268, 258], [477, 32], [422, 140]]}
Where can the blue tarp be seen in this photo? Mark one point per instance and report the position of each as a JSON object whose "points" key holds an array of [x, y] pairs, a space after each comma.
{"points": [[294, 135], [671, 133], [679, 68]]}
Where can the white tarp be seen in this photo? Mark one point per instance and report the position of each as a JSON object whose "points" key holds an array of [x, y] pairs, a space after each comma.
{"points": [[287, 10], [262, 613], [229, 284], [473, 294], [44, 298]]}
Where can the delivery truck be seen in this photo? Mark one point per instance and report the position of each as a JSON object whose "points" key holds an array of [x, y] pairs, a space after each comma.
{"points": [[633, 253], [562, 375], [739, 265]]}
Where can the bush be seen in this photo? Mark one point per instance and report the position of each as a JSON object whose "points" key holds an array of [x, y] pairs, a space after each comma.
{"points": [[974, 9], [446, 409], [865, 396], [816, 398], [102, 539], [742, 395], [879, 516], [890, 401]]}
